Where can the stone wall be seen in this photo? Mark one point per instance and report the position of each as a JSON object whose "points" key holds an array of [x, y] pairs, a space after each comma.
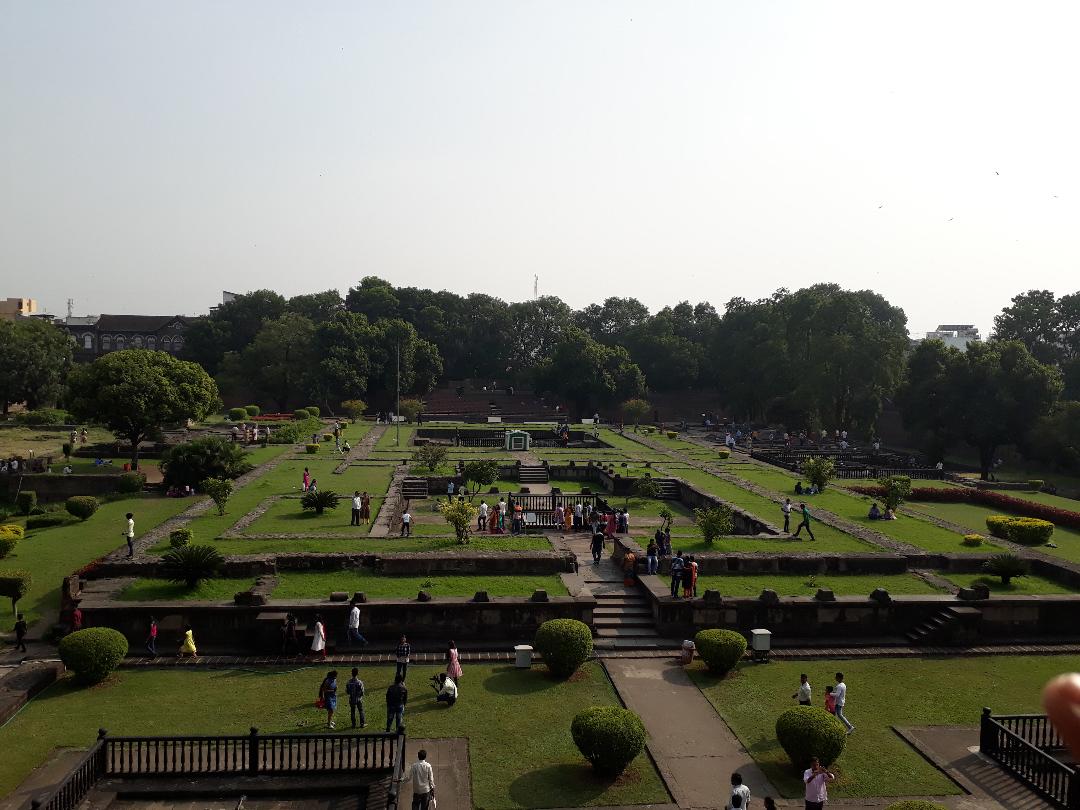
{"points": [[57, 487]]}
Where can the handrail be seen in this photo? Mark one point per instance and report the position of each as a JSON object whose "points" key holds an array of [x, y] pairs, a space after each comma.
{"points": [[399, 774], [79, 781], [1034, 766]]}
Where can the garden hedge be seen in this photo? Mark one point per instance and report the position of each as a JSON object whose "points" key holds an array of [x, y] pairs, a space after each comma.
{"points": [[805, 732], [721, 650], [15, 585], [985, 497], [237, 414], [565, 644], [12, 530], [1024, 530], [916, 804], [180, 537], [46, 521], [25, 501], [93, 653], [81, 506], [972, 540], [609, 737], [312, 448], [313, 410], [130, 483], [7, 544], [300, 414], [252, 410]]}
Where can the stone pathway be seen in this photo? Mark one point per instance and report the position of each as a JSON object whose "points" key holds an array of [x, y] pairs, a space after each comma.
{"points": [[362, 449], [449, 758], [389, 518]]}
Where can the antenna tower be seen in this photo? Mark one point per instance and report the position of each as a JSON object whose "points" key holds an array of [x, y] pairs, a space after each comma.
{"points": [[70, 306], [536, 286]]}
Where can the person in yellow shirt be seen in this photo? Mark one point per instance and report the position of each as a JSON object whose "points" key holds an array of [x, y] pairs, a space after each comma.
{"points": [[187, 646]]}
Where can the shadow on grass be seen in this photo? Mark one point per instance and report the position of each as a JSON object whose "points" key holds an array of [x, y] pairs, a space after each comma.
{"points": [[513, 681], [565, 785]]}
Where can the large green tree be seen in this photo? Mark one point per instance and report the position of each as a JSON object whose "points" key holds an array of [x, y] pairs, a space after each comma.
{"points": [[588, 373], [276, 365], [136, 391], [230, 327], [1048, 326], [35, 357], [317, 307]]}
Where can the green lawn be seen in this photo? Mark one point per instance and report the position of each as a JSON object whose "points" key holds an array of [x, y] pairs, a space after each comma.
{"points": [[52, 554], [287, 516], [751, 585], [379, 545], [1023, 585], [209, 590], [511, 767], [881, 693], [319, 585], [386, 441]]}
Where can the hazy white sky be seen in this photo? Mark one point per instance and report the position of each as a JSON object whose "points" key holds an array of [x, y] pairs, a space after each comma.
{"points": [[155, 154]]}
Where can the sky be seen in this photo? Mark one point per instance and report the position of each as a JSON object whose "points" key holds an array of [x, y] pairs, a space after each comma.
{"points": [[153, 155]]}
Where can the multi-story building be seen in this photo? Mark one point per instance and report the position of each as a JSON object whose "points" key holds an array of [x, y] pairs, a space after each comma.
{"points": [[12, 308], [96, 335], [957, 335]]}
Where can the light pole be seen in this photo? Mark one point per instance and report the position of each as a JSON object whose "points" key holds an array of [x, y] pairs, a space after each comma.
{"points": [[397, 407]]}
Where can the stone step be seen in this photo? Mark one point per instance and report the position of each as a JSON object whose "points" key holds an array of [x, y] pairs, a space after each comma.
{"points": [[628, 621], [626, 632], [642, 643], [621, 610]]}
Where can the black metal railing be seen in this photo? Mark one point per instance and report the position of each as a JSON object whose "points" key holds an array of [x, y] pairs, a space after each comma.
{"points": [[1030, 759], [252, 753], [542, 507]]}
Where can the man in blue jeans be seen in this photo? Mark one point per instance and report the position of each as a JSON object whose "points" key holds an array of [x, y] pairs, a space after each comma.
{"points": [[396, 696], [404, 650]]}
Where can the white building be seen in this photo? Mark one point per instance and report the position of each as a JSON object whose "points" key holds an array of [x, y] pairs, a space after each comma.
{"points": [[956, 335]]}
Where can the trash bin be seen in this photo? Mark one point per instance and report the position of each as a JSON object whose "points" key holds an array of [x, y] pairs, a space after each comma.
{"points": [[523, 656], [687, 654]]}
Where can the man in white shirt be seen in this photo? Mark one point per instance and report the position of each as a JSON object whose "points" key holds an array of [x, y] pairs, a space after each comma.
{"points": [[840, 694], [355, 637], [422, 776], [816, 778], [447, 690], [450, 491], [406, 524], [357, 505], [804, 695], [785, 507], [481, 520], [129, 534], [740, 790]]}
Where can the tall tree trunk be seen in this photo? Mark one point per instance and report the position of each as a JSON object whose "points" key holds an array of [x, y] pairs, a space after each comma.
{"points": [[135, 438]]}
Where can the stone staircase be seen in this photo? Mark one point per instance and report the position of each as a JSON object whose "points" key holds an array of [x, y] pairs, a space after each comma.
{"points": [[937, 629], [668, 489], [413, 488], [533, 474]]}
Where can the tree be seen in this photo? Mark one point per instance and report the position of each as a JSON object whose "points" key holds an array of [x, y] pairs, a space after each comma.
{"points": [[207, 457], [374, 298], [714, 522], [276, 364], [610, 322], [230, 327], [317, 307], [135, 392], [642, 489], [461, 515], [924, 396], [636, 410], [354, 408], [410, 409], [1055, 439], [538, 325], [818, 470], [191, 564], [219, 491], [897, 490], [589, 373], [1035, 319], [34, 358], [480, 474], [667, 517], [431, 456]]}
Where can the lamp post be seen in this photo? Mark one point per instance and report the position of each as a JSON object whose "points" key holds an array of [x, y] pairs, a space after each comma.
{"points": [[397, 407]]}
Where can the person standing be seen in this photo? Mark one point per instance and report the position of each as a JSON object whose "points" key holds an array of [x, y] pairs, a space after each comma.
{"points": [[422, 777], [305, 480], [318, 641], [328, 696], [450, 490], [481, 517], [288, 636], [406, 523], [365, 507], [677, 564], [396, 697], [357, 508], [597, 547], [355, 690], [785, 507], [816, 778], [804, 523], [151, 638], [401, 654], [840, 694], [740, 790], [129, 534], [804, 693], [355, 637], [651, 557], [453, 661], [20, 632]]}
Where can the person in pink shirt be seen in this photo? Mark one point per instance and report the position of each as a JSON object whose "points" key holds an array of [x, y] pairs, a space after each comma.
{"points": [[816, 778]]}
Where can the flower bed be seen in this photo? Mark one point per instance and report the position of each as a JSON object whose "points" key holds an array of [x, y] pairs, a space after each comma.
{"points": [[983, 497]]}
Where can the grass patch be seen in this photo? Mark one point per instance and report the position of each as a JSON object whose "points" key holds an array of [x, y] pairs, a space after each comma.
{"points": [[751, 585], [974, 517], [209, 590], [1029, 584], [319, 585], [510, 769], [379, 545], [881, 693]]}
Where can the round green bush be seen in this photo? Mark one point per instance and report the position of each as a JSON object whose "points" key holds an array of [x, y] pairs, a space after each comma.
{"points": [[723, 452], [300, 414], [7, 544], [565, 644], [972, 540], [328, 437], [180, 537], [1036, 484], [93, 653], [673, 434], [25, 501], [609, 737], [252, 410], [313, 410], [312, 448], [1030, 531], [12, 530], [916, 804], [805, 732], [130, 483], [81, 506], [46, 520], [237, 414], [721, 650], [997, 525]]}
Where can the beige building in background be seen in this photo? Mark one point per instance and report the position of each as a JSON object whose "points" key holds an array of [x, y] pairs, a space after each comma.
{"points": [[12, 308]]}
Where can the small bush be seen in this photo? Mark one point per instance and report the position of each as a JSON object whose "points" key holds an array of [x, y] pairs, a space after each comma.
{"points": [[819, 471], [565, 644], [805, 732], [25, 501], [973, 540], [130, 483], [219, 491], [723, 452], [609, 737], [1036, 484], [12, 530], [191, 564], [313, 410], [715, 522], [81, 506], [7, 544], [721, 650], [301, 414], [237, 414], [354, 407], [46, 521], [916, 804], [66, 449], [43, 416], [1006, 566], [673, 434], [312, 448], [1030, 531], [180, 537], [93, 653], [252, 410], [15, 585], [328, 437]]}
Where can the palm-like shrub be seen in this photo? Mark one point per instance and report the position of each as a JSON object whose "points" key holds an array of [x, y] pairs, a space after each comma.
{"points": [[320, 501], [211, 457], [1006, 566], [609, 737], [191, 564]]}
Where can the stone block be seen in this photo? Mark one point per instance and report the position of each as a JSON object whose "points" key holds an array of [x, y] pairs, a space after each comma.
{"points": [[359, 596], [825, 595], [713, 597], [481, 596], [881, 596], [769, 597], [539, 595], [339, 596], [423, 596]]}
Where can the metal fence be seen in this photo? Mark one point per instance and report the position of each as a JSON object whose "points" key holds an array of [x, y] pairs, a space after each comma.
{"points": [[1025, 745]]}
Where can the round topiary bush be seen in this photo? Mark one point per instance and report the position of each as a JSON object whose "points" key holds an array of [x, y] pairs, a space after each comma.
{"points": [[237, 414], [312, 448], [12, 530], [1030, 531], [721, 650], [805, 732], [672, 434], [723, 452], [609, 737], [301, 414], [25, 501], [565, 644], [93, 653], [313, 410], [7, 544], [328, 437], [972, 540], [252, 410], [180, 537], [1036, 484], [916, 804], [130, 482], [81, 506]]}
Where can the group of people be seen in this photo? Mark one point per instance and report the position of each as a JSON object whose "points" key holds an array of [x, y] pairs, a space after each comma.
{"points": [[835, 697], [804, 518], [876, 513], [250, 434], [307, 482], [361, 509], [684, 573]]}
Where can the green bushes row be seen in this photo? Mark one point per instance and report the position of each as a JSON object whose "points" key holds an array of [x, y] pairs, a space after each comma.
{"points": [[43, 416], [46, 521], [1023, 530]]}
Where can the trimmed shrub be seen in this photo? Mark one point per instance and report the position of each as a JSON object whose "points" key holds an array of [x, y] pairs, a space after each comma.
{"points": [[190, 463], [721, 650], [191, 564], [1030, 531], [997, 525], [25, 501], [300, 414], [66, 449], [81, 506], [565, 644], [723, 452], [15, 585], [973, 540], [12, 530], [237, 414], [312, 448], [46, 521], [7, 544], [180, 537], [328, 437], [93, 653], [916, 804], [714, 522], [313, 410], [130, 483], [252, 410], [354, 407], [609, 737], [673, 434], [1036, 484], [805, 732], [43, 416]]}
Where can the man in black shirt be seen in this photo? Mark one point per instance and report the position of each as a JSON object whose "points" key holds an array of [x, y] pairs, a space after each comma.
{"points": [[597, 547], [396, 696]]}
